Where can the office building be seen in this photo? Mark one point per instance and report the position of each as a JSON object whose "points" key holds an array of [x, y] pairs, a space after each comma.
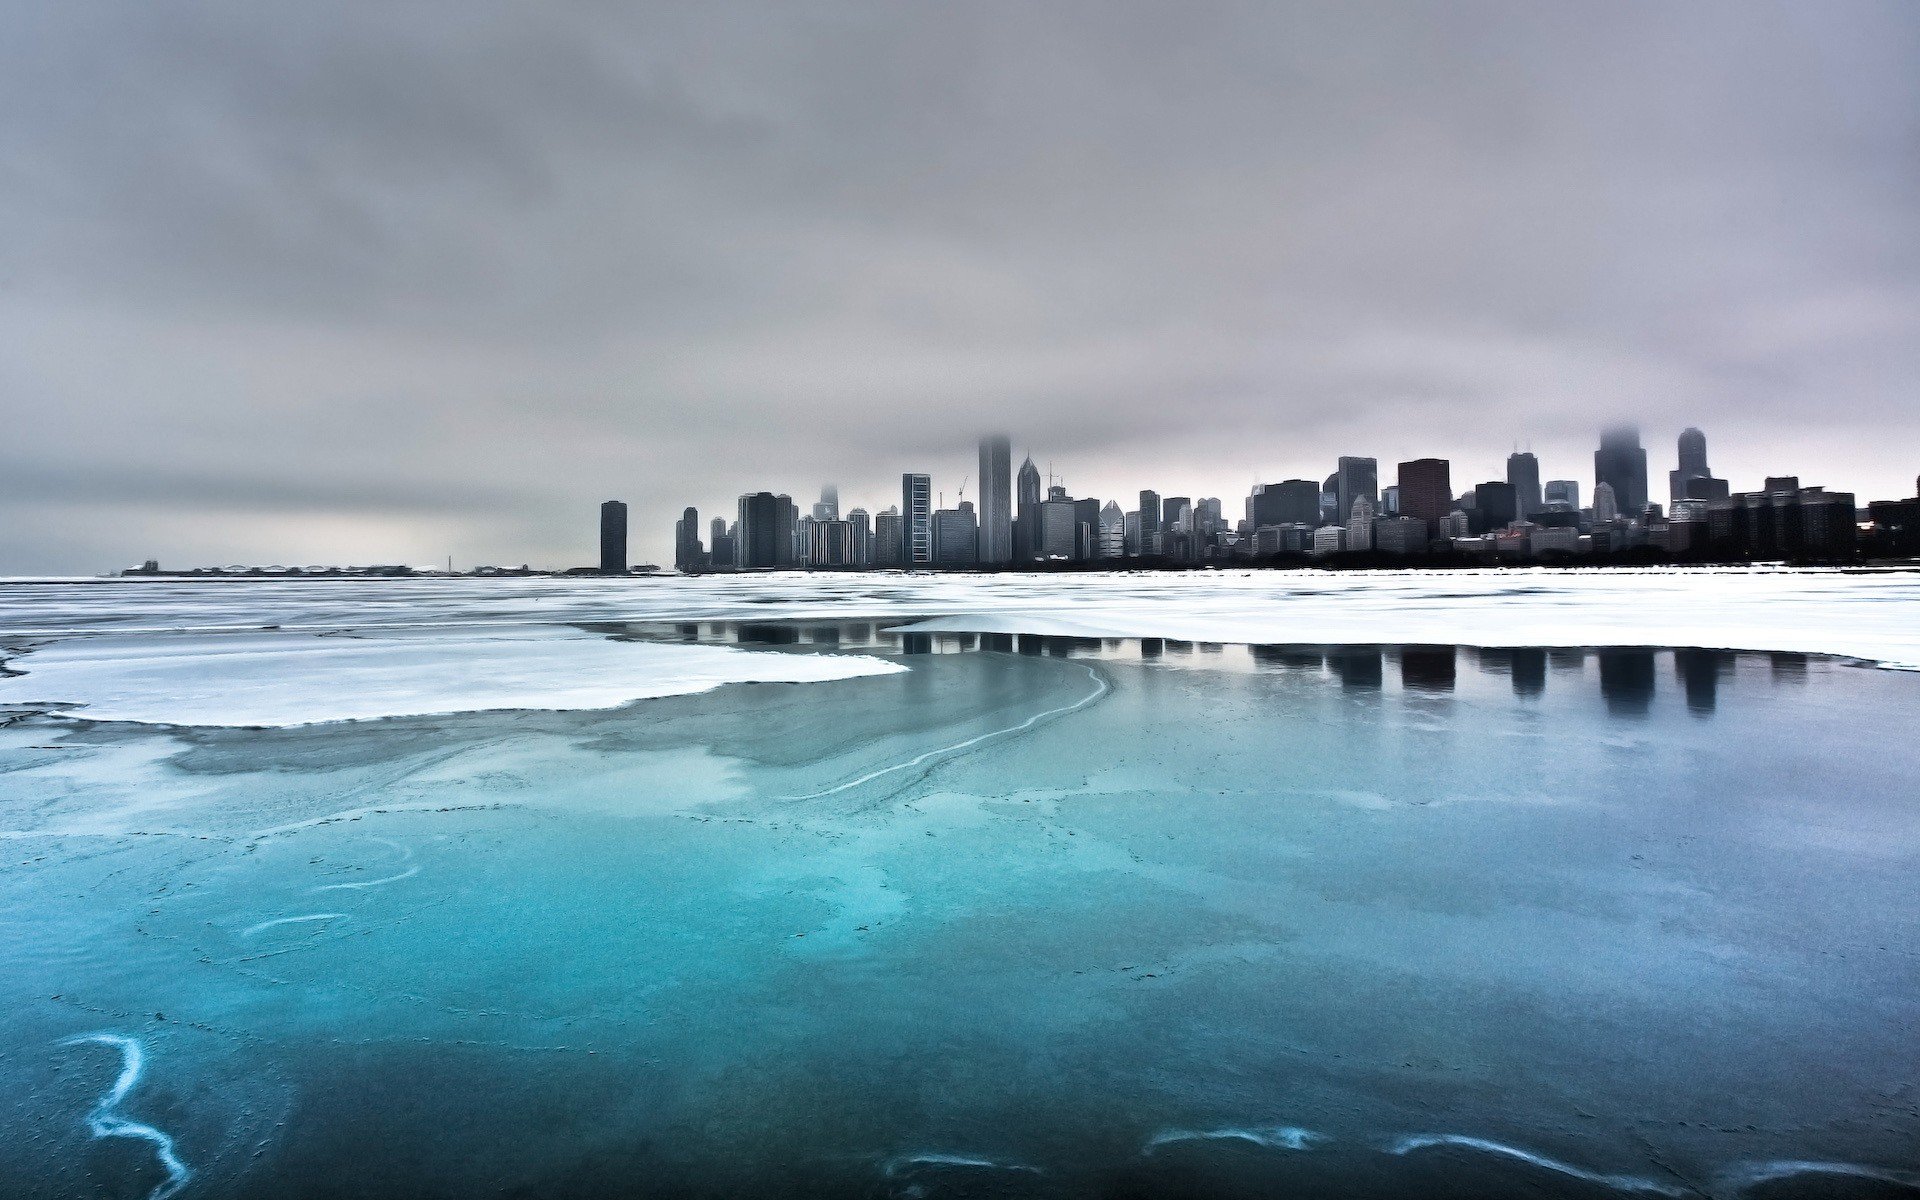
{"points": [[1523, 472], [1400, 535], [1354, 478], [1289, 502], [828, 509], [996, 500], [860, 530], [956, 536], [1622, 463], [1360, 525], [1563, 493], [916, 520], [613, 538], [1026, 518], [1426, 490], [1693, 479], [763, 532], [1149, 518], [1498, 503], [1113, 532], [687, 552], [888, 539], [1606, 507]]}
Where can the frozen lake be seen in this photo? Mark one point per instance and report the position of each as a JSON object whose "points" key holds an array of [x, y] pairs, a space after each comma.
{"points": [[1229, 885]]}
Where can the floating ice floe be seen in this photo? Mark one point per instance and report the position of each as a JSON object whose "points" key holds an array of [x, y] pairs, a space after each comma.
{"points": [[286, 679]]}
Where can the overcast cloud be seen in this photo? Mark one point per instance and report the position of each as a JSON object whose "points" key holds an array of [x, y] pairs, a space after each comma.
{"points": [[387, 282]]}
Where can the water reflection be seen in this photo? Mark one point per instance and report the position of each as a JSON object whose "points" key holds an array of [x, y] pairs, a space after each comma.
{"points": [[1628, 676], [1427, 668], [1626, 680]]}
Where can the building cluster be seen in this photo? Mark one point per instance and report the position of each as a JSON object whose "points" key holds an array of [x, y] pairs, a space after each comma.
{"points": [[1018, 523]]}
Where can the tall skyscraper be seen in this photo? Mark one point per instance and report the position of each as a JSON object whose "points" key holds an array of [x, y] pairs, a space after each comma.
{"points": [[1026, 530], [687, 554], [861, 528], [1149, 515], [1694, 479], [1564, 492], [1622, 462], [996, 500], [1360, 524], [887, 540], [1354, 478], [1523, 472], [916, 519], [1426, 491], [613, 538], [1113, 531], [828, 509], [763, 534]]}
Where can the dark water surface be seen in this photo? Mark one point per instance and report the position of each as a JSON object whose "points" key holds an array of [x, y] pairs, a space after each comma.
{"points": [[1038, 917]]}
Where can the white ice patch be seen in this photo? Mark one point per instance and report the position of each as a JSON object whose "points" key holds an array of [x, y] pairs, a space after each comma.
{"points": [[285, 679], [1874, 616]]}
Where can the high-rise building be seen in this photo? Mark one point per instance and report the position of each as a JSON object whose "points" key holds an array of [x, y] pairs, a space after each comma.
{"points": [[860, 529], [831, 544], [956, 536], [1390, 500], [613, 538], [1694, 480], [828, 509], [1113, 531], [1622, 462], [1354, 478], [1289, 502], [1426, 490], [1173, 510], [996, 500], [1498, 504], [888, 540], [1360, 525], [1149, 517], [1563, 492], [763, 534], [1606, 504], [916, 519], [1026, 527], [1523, 472], [687, 552], [1059, 526]]}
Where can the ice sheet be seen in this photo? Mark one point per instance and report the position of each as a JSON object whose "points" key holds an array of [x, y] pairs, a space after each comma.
{"points": [[1873, 616], [284, 679]]}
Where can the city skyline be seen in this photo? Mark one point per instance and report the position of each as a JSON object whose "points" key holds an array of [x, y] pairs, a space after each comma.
{"points": [[316, 284]]}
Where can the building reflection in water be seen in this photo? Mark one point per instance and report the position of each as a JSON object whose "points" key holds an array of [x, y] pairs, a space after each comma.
{"points": [[1357, 666], [1627, 680], [1700, 673], [1628, 675], [1427, 668]]}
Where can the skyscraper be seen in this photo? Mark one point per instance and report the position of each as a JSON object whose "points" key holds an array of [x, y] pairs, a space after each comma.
{"points": [[1606, 505], [1426, 491], [1113, 531], [1564, 491], [862, 532], [916, 519], [1289, 502], [1360, 524], [1622, 462], [828, 509], [1694, 480], [956, 535], [686, 542], [763, 534], [1149, 517], [1026, 533], [1523, 472], [1354, 478], [613, 538], [1498, 504], [996, 500]]}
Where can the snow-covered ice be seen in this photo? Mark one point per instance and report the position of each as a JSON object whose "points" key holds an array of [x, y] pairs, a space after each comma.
{"points": [[281, 678]]}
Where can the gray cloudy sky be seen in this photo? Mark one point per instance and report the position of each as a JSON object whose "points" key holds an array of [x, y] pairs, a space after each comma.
{"points": [[387, 282]]}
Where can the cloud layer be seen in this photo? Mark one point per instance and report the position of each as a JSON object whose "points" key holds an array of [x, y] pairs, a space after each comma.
{"points": [[391, 282]]}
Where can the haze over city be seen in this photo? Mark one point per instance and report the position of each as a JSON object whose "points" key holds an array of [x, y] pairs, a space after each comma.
{"points": [[329, 283]]}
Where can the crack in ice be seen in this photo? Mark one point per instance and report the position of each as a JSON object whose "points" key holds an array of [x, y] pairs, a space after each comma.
{"points": [[1100, 689], [104, 1122], [1279, 1137], [1624, 1183], [265, 925]]}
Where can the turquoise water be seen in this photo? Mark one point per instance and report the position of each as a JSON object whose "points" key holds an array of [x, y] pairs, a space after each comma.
{"points": [[1039, 916]]}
